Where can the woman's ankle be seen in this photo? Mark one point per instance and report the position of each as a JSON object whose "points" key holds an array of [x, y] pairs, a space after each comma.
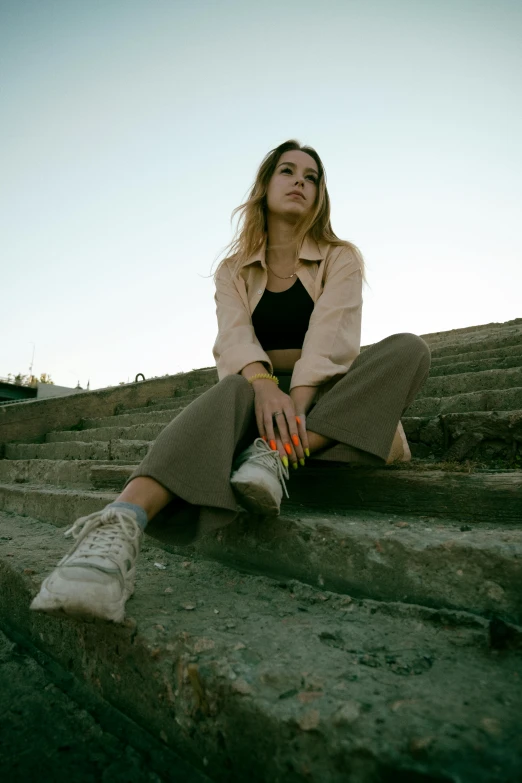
{"points": [[148, 493], [140, 513]]}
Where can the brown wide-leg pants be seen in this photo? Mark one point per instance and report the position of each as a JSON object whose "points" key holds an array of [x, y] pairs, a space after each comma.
{"points": [[192, 457]]}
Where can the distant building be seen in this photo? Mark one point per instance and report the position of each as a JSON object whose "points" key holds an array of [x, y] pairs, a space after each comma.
{"points": [[15, 392]]}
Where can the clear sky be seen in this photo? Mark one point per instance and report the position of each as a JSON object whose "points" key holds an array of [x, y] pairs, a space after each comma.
{"points": [[130, 130]]}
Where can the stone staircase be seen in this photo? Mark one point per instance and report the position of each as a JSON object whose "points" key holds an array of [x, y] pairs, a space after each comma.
{"points": [[372, 632]]}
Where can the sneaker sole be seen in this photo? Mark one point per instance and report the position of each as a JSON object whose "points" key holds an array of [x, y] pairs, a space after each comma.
{"points": [[256, 498], [73, 606]]}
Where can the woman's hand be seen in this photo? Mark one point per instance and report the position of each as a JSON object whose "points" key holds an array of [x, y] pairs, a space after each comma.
{"points": [[282, 432], [303, 438]]}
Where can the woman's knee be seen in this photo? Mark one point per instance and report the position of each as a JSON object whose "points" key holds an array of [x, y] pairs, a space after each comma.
{"points": [[235, 384], [412, 344]]}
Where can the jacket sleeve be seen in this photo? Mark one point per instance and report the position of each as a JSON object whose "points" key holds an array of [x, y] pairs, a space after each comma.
{"points": [[236, 344], [333, 339]]}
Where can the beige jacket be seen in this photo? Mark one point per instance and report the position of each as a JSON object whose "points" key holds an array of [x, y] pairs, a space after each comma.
{"points": [[333, 278]]}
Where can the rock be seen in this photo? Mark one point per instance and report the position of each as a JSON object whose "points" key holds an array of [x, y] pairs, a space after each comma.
{"points": [[419, 745], [309, 720], [491, 726], [347, 714]]}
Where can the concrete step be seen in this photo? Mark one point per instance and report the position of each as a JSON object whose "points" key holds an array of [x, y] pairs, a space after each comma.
{"points": [[181, 399], [494, 434], [437, 433], [136, 432], [457, 365], [57, 730], [111, 427], [131, 444], [125, 426], [248, 677], [480, 350], [58, 505], [58, 451], [424, 405], [482, 496], [490, 400], [473, 369], [449, 385], [146, 416], [498, 341], [127, 450], [479, 354], [158, 406], [473, 335], [24, 422], [466, 491], [446, 366], [433, 560], [459, 436], [75, 474]]}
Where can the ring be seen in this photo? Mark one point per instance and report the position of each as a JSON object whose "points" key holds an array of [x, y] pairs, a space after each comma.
{"points": [[277, 413]]}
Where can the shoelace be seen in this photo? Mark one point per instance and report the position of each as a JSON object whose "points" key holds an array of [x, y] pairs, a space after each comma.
{"points": [[270, 459], [107, 524]]}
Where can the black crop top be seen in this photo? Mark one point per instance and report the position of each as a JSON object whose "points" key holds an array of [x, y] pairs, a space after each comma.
{"points": [[280, 319]]}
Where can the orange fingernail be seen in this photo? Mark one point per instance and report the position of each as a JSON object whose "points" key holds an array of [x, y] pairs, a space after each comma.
{"points": [[298, 420], [295, 440], [288, 448], [273, 445], [264, 437]]}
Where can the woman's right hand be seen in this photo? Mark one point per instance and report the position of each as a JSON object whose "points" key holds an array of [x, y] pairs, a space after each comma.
{"points": [[281, 432]]}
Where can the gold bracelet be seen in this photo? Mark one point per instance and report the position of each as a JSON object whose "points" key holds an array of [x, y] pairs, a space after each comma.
{"points": [[264, 375]]}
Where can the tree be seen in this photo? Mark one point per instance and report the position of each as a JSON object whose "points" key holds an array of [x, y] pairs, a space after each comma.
{"points": [[28, 380]]}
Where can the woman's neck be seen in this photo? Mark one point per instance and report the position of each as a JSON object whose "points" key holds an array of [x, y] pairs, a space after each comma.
{"points": [[281, 247]]}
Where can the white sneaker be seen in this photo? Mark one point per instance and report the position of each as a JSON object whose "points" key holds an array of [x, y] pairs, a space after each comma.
{"points": [[97, 576], [259, 478]]}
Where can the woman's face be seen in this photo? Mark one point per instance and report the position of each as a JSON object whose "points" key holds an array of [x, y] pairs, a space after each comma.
{"points": [[296, 171]]}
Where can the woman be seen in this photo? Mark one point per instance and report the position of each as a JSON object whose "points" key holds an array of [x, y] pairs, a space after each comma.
{"points": [[292, 382]]}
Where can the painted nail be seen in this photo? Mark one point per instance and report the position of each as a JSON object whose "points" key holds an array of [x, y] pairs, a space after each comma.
{"points": [[298, 420], [307, 452], [302, 462], [284, 460], [295, 465], [288, 448], [295, 440], [264, 437], [273, 445]]}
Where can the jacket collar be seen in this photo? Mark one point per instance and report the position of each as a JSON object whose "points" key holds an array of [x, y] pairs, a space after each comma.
{"points": [[310, 251]]}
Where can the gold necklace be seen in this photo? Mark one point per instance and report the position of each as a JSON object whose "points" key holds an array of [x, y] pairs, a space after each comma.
{"points": [[279, 276], [288, 277]]}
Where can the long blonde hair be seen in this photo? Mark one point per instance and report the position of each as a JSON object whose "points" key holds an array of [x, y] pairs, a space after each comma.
{"points": [[252, 229]]}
